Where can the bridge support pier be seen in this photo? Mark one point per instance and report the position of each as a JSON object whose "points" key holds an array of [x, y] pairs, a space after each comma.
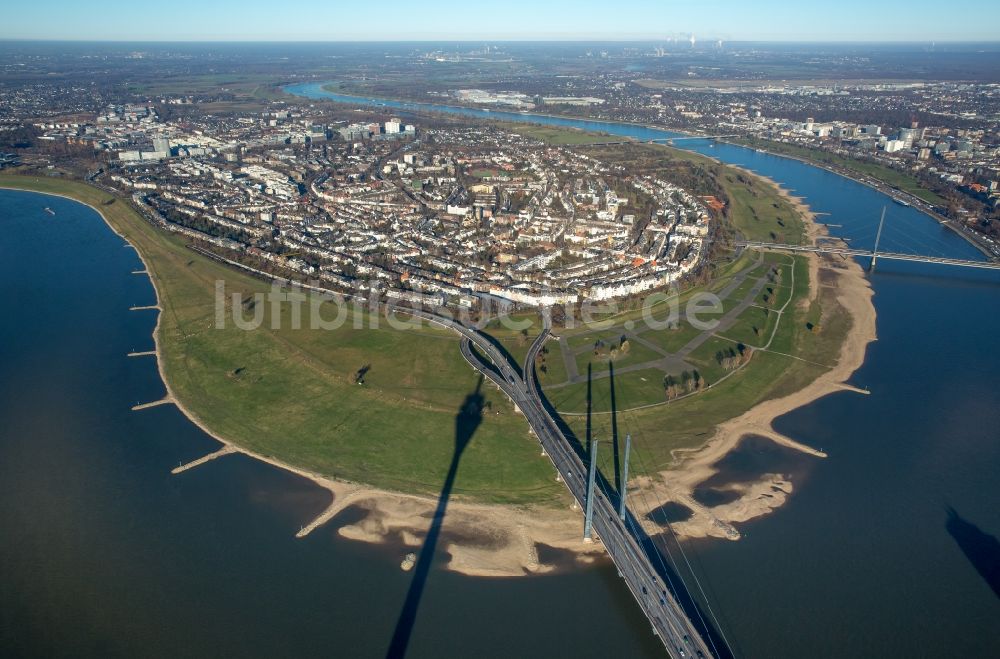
{"points": [[588, 523], [624, 492]]}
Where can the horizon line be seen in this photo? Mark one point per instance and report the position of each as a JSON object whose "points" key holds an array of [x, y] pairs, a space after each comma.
{"points": [[702, 41]]}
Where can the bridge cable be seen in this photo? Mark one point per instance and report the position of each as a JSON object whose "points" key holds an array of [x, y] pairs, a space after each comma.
{"points": [[638, 532], [676, 567], [922, 246], [694, 575], [626, 417], [865, 235], [660, 505]]}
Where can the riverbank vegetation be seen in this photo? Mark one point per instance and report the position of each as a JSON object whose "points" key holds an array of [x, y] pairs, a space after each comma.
{"points": [[768, 349], [860, 168], [292, 394], [295, 395]]}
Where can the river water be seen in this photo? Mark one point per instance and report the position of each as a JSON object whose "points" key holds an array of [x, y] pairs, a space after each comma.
{"points": [[104, 553], [889, 546]]}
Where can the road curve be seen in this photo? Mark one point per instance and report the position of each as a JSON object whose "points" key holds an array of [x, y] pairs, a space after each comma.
{"points": [[665, 614], [667, 617]]}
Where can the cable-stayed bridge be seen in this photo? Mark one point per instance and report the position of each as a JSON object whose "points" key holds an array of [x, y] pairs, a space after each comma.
{"points": [[874, 254]]}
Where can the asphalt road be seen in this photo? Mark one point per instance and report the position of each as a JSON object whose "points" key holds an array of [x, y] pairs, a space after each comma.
{"points": [[665, 614], [667, 617]]}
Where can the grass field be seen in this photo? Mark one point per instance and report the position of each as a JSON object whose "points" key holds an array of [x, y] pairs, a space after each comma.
{"points": [[556, 135], [756, 208], [674, 338], [687, 423], [291, 394], [244, 86], [759, 212], [636, 353]]}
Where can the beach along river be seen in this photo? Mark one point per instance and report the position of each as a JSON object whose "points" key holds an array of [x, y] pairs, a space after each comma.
{"points": [[104, 553], [890, 546], [883, 549]]}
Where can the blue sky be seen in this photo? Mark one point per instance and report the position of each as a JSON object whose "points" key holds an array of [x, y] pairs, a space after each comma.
{"points": [[335, 20]]}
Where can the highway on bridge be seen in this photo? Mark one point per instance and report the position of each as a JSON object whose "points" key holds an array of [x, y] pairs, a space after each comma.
{"points": [[848, 251], [665, 614], [669, 620]]}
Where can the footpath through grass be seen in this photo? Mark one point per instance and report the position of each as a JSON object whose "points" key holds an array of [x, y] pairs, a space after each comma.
{"points": [[758, 211], [689, 422]]}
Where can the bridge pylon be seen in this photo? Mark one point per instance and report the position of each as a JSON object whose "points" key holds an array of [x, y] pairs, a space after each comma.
{"points": [[878, 237], [622, 494]]}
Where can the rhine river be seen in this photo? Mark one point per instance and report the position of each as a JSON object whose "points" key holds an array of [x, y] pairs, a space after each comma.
{"points": [[104, 553]]}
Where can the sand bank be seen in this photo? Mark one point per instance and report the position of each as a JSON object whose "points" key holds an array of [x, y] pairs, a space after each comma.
{"points": [[481, 540], [496, 540], [853, 293]]}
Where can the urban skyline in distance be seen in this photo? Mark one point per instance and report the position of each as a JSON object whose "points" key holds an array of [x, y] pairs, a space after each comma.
{"points": [[560, 20]]}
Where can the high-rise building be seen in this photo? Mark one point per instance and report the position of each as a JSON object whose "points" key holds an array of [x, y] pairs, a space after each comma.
{"points": [[907, 135], [392, 126], [891, 146]]}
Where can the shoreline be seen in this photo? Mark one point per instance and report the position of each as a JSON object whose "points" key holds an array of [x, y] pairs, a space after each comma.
{"points": [[499, 540], [368, 100], [507, 545], [694, 466], [915, 201]]}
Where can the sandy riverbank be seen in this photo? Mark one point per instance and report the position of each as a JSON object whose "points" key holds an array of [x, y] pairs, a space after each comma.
{"points": [[496, 540], [486, 541], [853, 293], [501, 540], [481, 540]]}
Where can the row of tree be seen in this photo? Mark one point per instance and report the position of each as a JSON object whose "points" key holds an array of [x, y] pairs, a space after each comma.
{"points": [[602, 349], [688, 383], [732, 358]]}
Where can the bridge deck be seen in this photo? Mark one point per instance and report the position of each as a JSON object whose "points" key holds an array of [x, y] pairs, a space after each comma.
{"points": [[680, 636], [848, 251], [669, 620]]}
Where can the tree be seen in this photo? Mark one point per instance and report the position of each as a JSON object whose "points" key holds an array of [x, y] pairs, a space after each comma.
{"points": [[670, 387], [559, 315]]}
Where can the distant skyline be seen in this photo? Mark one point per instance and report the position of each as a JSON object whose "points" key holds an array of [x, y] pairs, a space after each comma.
{"points": [[432, 20]]}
